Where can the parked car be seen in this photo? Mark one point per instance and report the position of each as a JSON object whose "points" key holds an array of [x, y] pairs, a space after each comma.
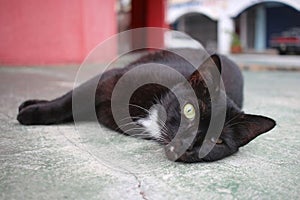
{"points": [[287, 41]]}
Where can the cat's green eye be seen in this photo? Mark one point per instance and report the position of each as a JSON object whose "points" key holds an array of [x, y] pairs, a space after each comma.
{"points": [[189, 111]]}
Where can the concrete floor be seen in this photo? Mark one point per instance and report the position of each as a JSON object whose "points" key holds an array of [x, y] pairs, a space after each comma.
{"points": [[60, 162], [267, 62]]}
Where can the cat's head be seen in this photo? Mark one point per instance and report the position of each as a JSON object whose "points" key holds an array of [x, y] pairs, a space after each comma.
{"points": [[191, 117]]}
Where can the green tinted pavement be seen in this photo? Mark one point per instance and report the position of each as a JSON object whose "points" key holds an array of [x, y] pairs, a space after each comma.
{"points": [[60, 162]]}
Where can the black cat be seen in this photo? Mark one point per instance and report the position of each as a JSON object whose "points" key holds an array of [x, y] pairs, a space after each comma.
{"points": [[180, 111]]}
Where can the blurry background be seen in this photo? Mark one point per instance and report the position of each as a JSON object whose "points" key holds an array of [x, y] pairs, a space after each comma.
{"points": [[47, 32], [56, 162]]}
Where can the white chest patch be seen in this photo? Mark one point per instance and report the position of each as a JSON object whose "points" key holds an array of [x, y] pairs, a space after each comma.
{"points": [[150, 123]]}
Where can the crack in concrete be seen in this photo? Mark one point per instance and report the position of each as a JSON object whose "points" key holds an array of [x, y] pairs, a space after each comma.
{"points": [[142, 193]]}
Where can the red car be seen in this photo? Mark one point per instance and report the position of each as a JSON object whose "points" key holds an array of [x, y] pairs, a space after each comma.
{"points": [[287, 42]]}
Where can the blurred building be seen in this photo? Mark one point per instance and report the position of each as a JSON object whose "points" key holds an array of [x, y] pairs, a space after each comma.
{"points": [[216, 22], [35, 32]]}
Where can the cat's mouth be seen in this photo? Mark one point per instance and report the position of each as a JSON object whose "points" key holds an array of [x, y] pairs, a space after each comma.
{"points": [[194, 155], [178, 151]]}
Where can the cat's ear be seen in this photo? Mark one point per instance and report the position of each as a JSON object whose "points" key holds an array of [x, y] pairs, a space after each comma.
{"points": [[209, 73], [217, 61], [247, 127]]}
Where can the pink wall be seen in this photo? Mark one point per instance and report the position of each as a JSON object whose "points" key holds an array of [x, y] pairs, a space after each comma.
{"points": [[34, 32]]}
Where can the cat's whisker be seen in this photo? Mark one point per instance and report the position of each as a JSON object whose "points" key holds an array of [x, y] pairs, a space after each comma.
{"points": [[164, 135], [134, 129], [137, 106], [161, 123], [127, 124], [161, 137], [141, 135], [130, 117], [163, 131], [156, 100]]}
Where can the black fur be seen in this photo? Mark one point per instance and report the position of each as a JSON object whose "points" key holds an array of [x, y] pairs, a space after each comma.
{"points": [[239, 128]]}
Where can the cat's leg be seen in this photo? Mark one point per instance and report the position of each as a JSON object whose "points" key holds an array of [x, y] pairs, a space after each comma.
{"points": [[31, 102], [37, 112]]}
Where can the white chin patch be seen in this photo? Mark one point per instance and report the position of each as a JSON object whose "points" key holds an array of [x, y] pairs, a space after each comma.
{"points": [[150, 123]]}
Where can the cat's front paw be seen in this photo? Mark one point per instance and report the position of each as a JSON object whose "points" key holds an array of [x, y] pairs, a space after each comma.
{"points": [[27, 103], [29, 115]]}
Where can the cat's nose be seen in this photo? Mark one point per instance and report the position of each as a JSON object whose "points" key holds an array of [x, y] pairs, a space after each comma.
{"points": [[171, 150], [177, 148]]}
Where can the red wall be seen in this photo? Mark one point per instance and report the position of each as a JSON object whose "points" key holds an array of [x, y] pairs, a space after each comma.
{"points": [[34, 32]]}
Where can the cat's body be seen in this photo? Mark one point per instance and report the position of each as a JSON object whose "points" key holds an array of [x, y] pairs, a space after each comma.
{"points": [[147, 117]]}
